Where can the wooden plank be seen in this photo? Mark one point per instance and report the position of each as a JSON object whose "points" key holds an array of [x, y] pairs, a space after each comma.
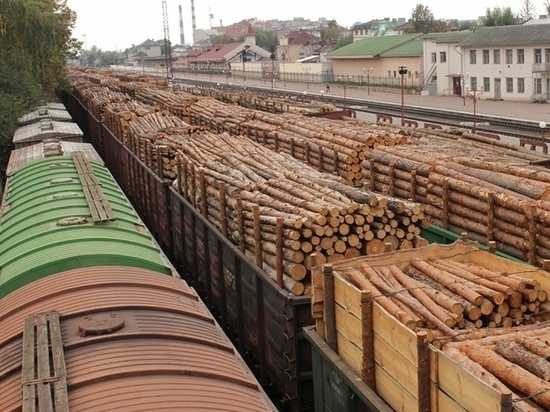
{"points": [[350, 353], [61, 397], [467, 390], [403, 257], [396, 365], [45, 403], [398, 335], [347, 295], [447, 404], [394, 394], [28, 370]]}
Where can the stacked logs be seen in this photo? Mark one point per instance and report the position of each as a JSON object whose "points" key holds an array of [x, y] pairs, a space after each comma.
{"points": [[332, 146], [177, 102], [448, 295], [515, 361], [119, 115], [156, 138], [494, 194], [279, 210]]}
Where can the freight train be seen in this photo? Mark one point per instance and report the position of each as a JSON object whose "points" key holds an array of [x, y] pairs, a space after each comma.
{"points": [[93, 316]]}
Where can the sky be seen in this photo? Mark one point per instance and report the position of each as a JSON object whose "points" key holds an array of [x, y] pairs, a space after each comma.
{"points": [[119, 24]]}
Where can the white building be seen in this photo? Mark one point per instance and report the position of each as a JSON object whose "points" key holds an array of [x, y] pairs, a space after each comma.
{"points": [[505, 62]]}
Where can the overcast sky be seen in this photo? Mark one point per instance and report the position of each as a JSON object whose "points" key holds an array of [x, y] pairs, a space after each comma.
{"points": [[117, 24]]}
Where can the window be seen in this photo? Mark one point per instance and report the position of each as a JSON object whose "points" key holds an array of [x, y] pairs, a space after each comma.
{"points": [[434, 57], [509, 85], [509, 56], [473, 83], [521, 56], [486, 84], [538, 55], [547, 55], [442, 57], [473, 57], [485, 56], [521, 85], [496, 56]]}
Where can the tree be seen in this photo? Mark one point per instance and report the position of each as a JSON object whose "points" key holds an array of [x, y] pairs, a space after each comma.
{"points": [[500, 17], [422, 21], [547, 5], [266, 39], [35, 41], [528, 11]]}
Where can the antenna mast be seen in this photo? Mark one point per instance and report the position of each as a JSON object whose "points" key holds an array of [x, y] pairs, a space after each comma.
{"points": [[167, 46]]}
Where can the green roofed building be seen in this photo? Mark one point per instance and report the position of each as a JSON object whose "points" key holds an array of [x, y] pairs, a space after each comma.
{"points": [[378, 59]]}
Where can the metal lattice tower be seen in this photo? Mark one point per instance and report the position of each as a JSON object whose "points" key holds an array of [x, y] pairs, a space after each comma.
{"points": [[167, 45]]}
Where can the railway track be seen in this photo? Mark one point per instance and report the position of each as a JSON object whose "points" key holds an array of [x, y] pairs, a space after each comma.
{"points": [[513, 127]]}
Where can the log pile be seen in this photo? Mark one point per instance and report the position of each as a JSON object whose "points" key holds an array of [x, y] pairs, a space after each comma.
{"points": [[119, 115], [177, 102], [279, 210], [448, 295], [495, 194], [331, 146], [156, 138], [516, 361]]}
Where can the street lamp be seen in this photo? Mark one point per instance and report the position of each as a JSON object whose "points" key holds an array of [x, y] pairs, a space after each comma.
{"points": [[542, 126], [307, 76], [368, 78], [475, 96], [284, 72], [345, 86], [402, 71], [243, 55], [272, 57]]}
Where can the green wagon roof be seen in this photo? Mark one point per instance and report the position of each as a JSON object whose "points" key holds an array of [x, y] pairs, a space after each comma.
{"points": [[47, 225]]}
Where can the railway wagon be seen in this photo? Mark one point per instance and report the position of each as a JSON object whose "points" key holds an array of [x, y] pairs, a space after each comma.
{"points": [[92, 314], [265, 321]]}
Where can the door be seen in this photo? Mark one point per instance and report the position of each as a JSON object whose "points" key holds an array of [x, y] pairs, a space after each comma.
{"points": [[457, 86], [497, 89]]}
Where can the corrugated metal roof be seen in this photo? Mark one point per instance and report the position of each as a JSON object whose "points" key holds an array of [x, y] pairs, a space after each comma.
{"points": [[502, 36], [44, 129], [412, 48], [373, 46], [132, 340], [448, 37], [47, 225], [28, 154], [45, 114]]}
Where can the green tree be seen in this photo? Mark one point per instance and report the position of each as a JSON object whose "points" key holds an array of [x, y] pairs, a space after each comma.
{"points": [[266, 39], [332, 33], [422, 21], [35, 40], [528, 11], [500, 17]]}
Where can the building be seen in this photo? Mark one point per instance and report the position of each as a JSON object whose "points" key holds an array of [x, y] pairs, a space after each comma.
{"points": [[297, 44], [378, 28], [377, 59], [502, 63]]}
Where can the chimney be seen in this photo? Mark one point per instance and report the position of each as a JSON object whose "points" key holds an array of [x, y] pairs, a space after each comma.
{"points": [[182, 35], [193, 21]]}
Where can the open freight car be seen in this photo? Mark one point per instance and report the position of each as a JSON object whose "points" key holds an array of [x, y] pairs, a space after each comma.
{"points": [[92, 314], [265, 321]]}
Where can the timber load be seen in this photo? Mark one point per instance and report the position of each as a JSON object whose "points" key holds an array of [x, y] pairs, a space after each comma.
{"points": [[279, 210], [494, 193], [331, 146], [441, 327]]}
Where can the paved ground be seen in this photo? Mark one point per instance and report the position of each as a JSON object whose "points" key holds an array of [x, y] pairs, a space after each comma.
{"points": [[518, 110]]}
